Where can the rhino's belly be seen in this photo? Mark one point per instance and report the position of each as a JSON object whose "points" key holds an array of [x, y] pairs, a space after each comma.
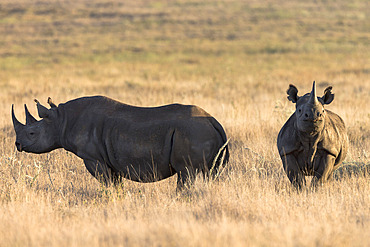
{"points": [[144, 169], [142, 155]]}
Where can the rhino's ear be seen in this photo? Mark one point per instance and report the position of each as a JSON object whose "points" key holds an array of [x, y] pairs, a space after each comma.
{"points": [[292, 93], [328, 96], [43, 111], [50, 102]]}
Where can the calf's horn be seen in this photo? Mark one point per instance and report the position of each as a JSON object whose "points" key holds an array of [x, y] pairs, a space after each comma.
{"points": [[313, 98], [29, 118]]}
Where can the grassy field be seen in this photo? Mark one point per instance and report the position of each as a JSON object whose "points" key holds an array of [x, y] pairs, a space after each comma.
{"points": [[235, 59]]}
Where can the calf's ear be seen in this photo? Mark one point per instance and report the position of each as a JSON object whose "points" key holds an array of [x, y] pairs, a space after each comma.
{"points": [[328, 96], [292, 93]]}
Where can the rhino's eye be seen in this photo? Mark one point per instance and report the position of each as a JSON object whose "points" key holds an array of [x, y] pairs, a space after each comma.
{"points": [[299, 110], [32, 133]]}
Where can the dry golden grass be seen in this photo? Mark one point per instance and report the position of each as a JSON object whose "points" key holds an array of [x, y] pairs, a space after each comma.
{"points": [[234, 59]]}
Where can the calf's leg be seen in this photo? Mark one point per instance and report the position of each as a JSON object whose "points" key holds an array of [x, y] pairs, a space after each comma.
{"points": [[323, 169], [293, 171]]}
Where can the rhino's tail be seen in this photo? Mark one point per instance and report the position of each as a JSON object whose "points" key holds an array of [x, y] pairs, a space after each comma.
{"points": [[222, 157]]}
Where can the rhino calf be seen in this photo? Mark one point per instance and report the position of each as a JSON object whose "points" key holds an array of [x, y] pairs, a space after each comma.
{"points": [[116, 140], [313, 142]]}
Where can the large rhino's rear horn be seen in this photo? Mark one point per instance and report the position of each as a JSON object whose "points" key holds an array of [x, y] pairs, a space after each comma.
{"points": [[16, 123], [29, 118]]}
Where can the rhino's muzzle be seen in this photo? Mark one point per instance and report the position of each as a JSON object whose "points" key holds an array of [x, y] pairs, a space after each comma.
{"points": [[19, 146], [312, 119]]}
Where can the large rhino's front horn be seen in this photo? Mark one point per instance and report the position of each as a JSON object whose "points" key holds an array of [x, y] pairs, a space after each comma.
{"points": [[16, 123], [29, 118]]}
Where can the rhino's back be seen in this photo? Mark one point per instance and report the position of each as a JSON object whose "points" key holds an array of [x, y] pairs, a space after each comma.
{"points": [[103, 107]]}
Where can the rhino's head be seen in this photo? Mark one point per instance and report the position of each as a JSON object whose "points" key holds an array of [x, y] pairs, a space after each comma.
{"points": [[37, 136], [310, 112]]}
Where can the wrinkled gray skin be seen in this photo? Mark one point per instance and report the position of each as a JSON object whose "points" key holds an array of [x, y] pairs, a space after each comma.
{"points": [[116, 140], [313, 142]]}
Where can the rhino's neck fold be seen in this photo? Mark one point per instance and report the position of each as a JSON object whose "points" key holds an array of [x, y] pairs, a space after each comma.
{"points": [[62, 138], [309, 142]]}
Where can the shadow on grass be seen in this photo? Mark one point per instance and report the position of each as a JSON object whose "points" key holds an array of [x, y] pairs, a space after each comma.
{"points": [[352, 169]]}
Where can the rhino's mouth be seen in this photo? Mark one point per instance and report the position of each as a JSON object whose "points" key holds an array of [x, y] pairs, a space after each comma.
{"points": [[312, 120], [19, 146], [24, 148]]}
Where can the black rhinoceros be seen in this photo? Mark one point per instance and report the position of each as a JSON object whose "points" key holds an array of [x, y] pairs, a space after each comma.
{"points": [[116, 140], [313, 142]]}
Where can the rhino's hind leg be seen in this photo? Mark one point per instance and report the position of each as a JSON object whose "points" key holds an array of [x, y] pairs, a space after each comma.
{"points": [[324, 168], [100, 171], [184, 179], [293, 171], [186, 172], [186, 161]]}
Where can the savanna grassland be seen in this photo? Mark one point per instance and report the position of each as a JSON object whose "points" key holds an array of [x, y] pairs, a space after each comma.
{"points": [[235, 59]]}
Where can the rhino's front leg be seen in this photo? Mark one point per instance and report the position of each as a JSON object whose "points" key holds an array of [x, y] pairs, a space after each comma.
{"points": [[293, 171], [323, 169], [100, 171]]}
